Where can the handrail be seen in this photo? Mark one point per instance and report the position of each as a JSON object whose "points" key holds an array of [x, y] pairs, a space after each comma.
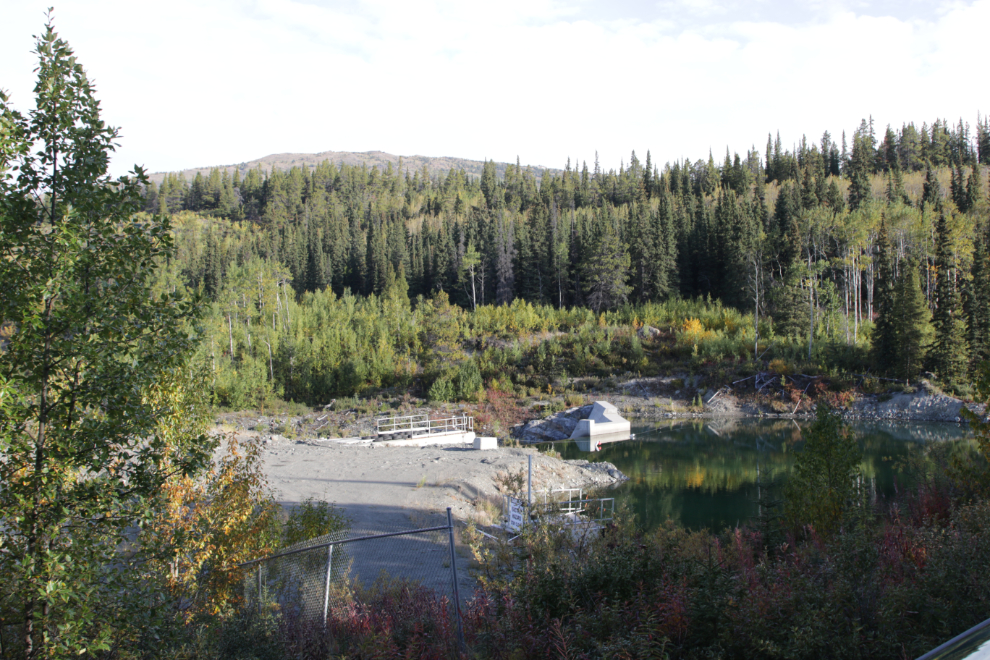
{"points": [[341, 542], [935, 652], [423, 424]]}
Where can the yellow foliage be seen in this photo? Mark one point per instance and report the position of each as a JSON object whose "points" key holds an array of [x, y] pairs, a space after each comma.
{"points": [[213, 523], [780, 367], [694, 331], [696, 479]]}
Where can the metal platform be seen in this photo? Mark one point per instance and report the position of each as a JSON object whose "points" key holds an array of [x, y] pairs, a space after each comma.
{"points": [[421, 430]]}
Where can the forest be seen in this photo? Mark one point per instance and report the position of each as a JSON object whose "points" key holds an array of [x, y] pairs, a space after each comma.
{"points": [[130, 311], [340, 280]]}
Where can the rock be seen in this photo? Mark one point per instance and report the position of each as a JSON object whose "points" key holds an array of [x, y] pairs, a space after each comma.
{"points": [[580, 412], [648, 332]]}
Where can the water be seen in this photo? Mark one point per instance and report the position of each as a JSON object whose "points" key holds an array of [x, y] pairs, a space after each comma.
{"points": [[708, 473]]}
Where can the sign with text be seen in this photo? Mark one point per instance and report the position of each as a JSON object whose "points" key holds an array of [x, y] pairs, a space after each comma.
{"points": [[517, 514]]}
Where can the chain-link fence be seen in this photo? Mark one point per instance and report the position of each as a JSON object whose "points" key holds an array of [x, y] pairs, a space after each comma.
{"points": [[314, 579]]}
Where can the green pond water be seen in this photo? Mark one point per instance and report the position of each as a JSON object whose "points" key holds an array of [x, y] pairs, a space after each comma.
{"points": [[708, 473]]}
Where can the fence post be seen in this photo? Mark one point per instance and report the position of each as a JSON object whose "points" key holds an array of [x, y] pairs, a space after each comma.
{"points": [[529, 489], [453, 575], [326, 587], [259, 587]]}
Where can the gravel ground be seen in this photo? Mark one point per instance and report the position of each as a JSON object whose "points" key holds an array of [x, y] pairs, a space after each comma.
{"points": [[387, 489]]}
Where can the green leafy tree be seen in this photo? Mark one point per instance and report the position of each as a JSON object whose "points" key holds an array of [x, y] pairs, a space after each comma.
{"points": [[86, 439], [470, 263], [823, 486]]}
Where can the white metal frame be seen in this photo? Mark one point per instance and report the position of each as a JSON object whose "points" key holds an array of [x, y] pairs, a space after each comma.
{"points": [[423, 425]]}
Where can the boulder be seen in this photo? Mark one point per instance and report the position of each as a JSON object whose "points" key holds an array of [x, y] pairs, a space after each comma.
{"points": [[648, 332]]}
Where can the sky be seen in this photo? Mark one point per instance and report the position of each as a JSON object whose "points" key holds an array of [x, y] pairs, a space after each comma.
{"points": [[194, 83]]}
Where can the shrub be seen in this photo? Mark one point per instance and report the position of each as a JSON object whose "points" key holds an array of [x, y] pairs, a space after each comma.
{"points": [[311, 519], [780, 367]]}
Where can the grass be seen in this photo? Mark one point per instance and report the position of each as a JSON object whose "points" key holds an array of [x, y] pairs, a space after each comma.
{"points": [[487, 510]]}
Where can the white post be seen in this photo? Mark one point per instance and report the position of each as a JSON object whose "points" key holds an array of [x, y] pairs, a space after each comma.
{"points": [[326, 587], [453, 577], [529, 491]]}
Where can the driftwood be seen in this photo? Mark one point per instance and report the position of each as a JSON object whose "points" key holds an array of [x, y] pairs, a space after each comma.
{"points": [[800, 398], [765, 384], [714, 395], [893, 380]]}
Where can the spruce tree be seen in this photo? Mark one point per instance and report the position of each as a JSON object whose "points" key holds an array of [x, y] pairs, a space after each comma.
{"points": [[974, 188], [949, 356], [913, 327], [212, 268], [932, 191], [885, 330], [605, 269], [958, 189], [895, 186], [978, 302], [789, 303]]}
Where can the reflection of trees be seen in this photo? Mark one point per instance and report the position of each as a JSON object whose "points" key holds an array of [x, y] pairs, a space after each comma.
{"points": [[720, 456], [695, 457]]}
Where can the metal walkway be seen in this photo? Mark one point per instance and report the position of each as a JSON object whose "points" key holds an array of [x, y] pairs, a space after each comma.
{"points": [[414, 426]]}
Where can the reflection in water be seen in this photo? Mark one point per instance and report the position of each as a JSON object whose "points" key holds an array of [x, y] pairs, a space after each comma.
{"points": [[706, 473]]}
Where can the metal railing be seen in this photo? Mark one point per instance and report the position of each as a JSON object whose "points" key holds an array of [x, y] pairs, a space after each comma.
{"points": [[324, 575], [563, 508], [423, 425]]}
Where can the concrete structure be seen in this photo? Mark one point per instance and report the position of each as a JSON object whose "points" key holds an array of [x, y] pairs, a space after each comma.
{"points": [[604, 424], [427, 440], [485, 443]]}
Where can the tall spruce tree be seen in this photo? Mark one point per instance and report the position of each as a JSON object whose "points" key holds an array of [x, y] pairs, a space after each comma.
{"points": [[974, 188], [885, 330], [931, 193], [913, 327], [605, 269], [949, 356], [978, 301]]}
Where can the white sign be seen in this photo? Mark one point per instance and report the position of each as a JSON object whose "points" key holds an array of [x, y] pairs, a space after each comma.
{"points": [[517, 513]]}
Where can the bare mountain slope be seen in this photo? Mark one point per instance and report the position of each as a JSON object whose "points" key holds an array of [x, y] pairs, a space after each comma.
{"points": [[377, 159]]}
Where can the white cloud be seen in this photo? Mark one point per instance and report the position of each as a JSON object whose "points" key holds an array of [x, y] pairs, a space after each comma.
{"points": [[197, 83]]}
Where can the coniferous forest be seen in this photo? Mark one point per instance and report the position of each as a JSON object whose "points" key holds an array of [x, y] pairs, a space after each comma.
{"points": [[125, 525], [863, 253]]}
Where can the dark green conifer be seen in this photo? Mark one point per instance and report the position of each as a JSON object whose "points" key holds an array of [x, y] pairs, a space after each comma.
{"points": [[895, 186], [212, 268], [932, 191], [605, 269], [913, 327], [978, 302], [958, 189], [949, 356], [885, 330], [974, 189]]}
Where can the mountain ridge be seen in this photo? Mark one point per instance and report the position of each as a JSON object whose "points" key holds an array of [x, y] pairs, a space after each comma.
{"points": [[379, 159]]}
